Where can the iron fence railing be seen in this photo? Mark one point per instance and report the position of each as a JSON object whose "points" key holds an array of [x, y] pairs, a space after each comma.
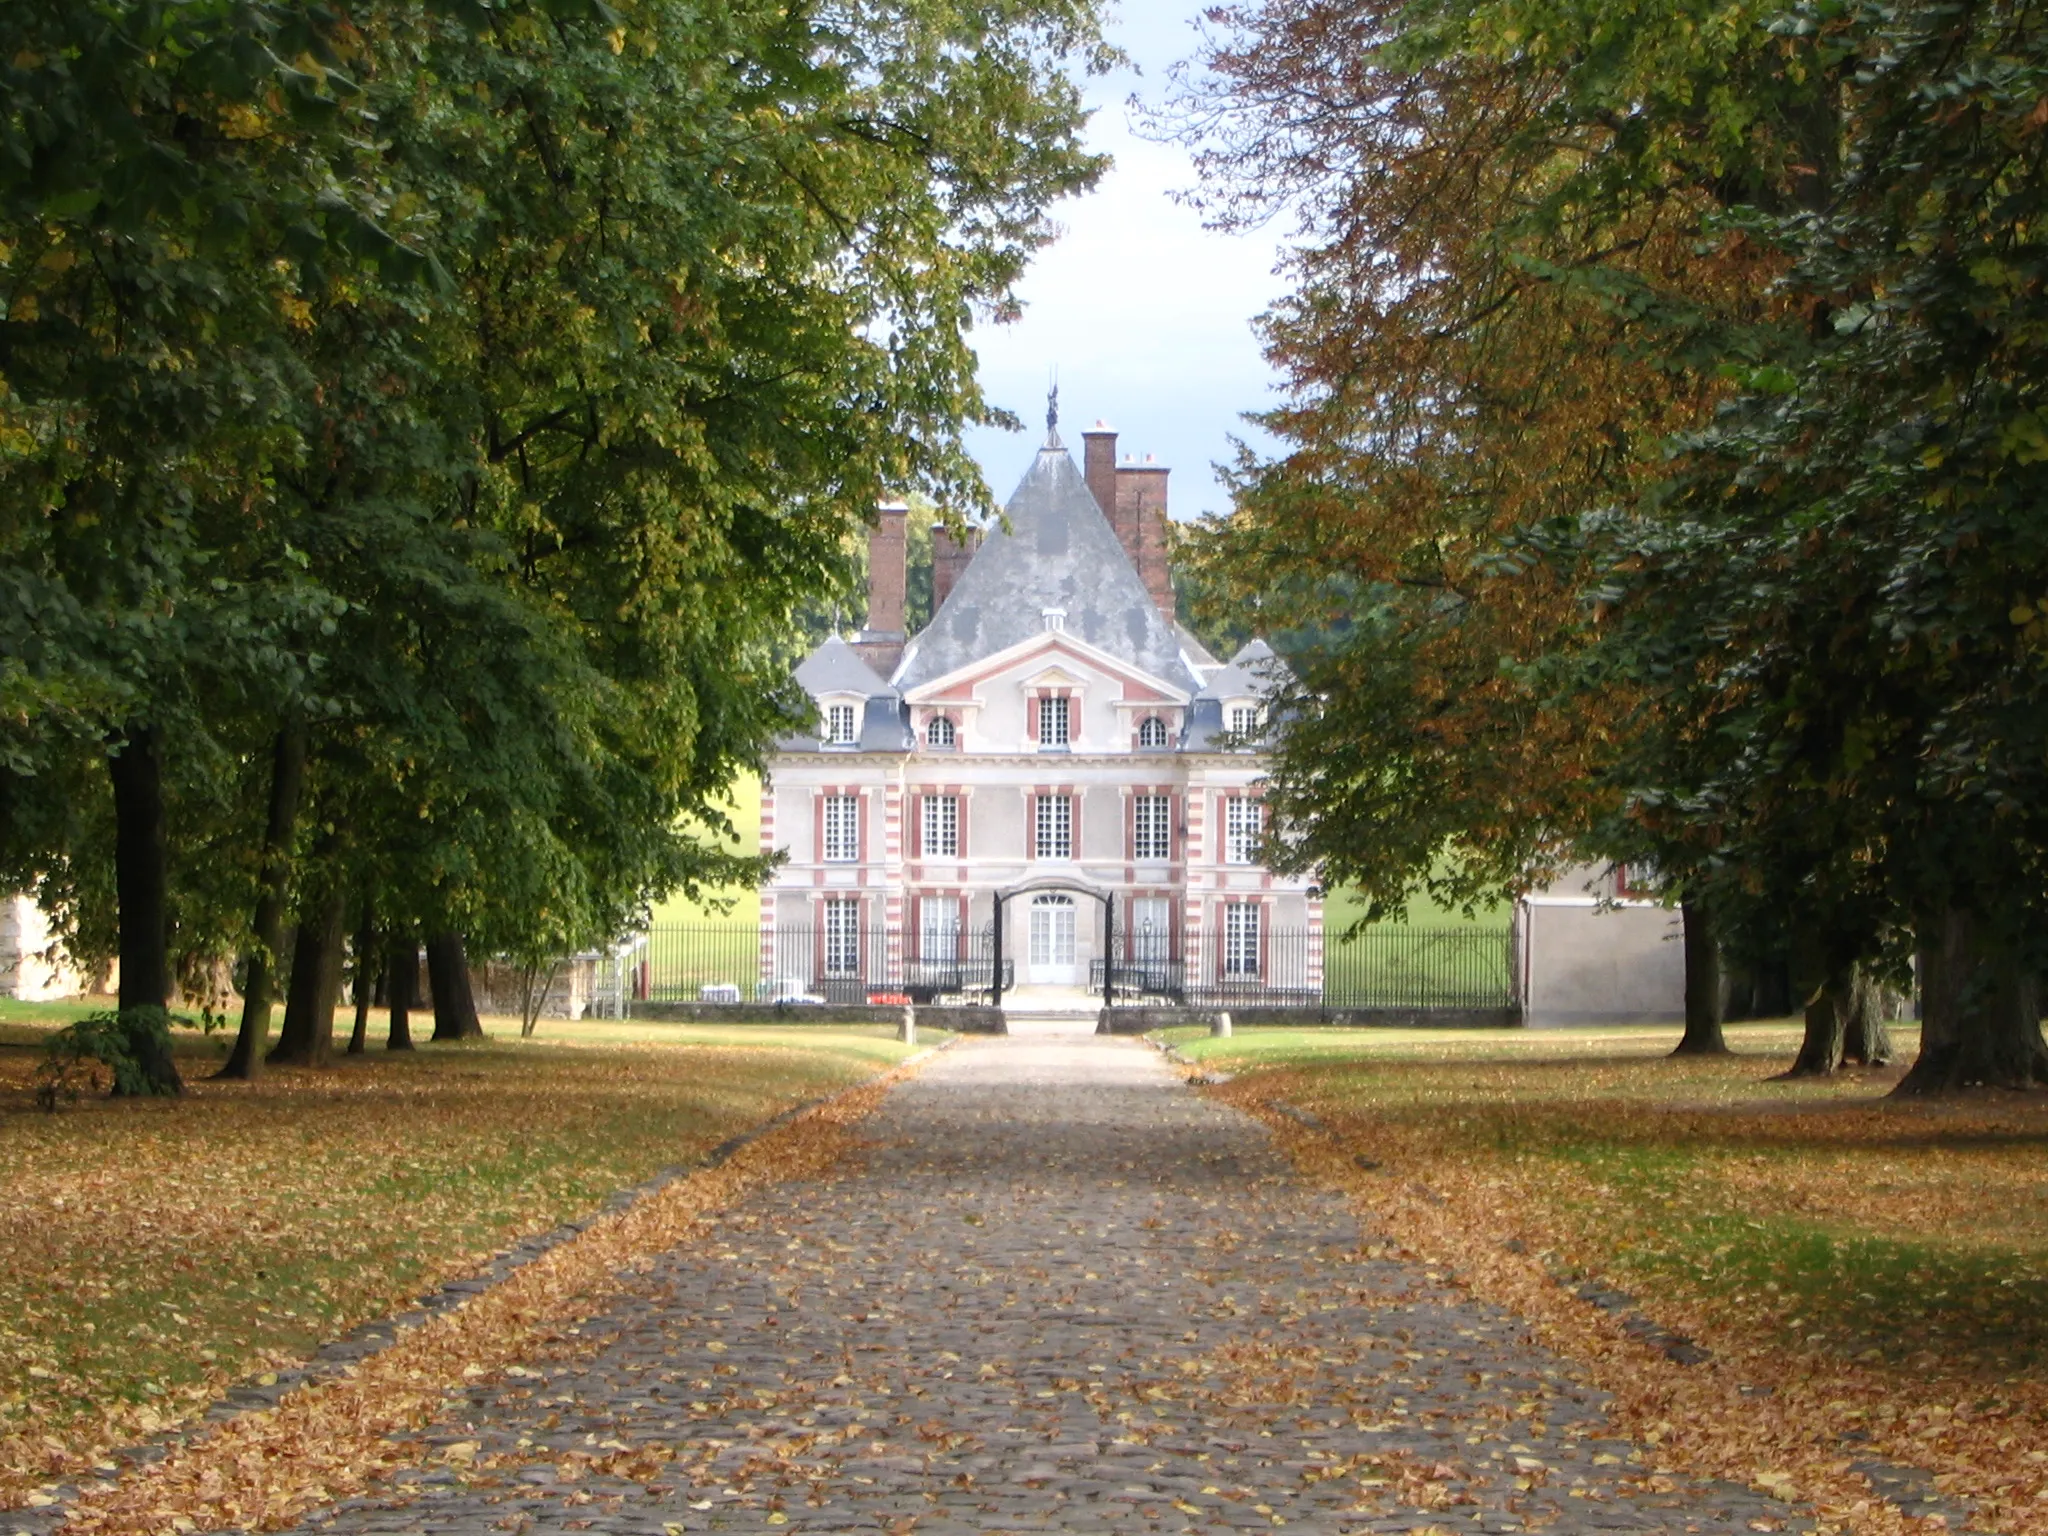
{"points": [[794, 962], [1392, 967], [1240, 966]]}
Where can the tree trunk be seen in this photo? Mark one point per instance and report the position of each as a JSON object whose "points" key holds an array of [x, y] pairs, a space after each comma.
{"points": [[259, 991], [136, 771], [1703, 1035], [1865, 1038], [1828, 1009], [366, 966], [448, 977], [1980, 1016], [401, 973], [307, 1039], [536, 980], [1773, 996]]}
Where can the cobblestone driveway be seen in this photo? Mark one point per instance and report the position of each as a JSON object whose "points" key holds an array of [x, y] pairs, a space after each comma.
{"points": [[1062, 1293]]}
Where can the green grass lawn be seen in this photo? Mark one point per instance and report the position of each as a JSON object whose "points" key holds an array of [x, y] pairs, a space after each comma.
{"points": [[731, 907]]}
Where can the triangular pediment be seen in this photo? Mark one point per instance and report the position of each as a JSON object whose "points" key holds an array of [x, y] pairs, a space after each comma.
{"points": [[1066, 662]]}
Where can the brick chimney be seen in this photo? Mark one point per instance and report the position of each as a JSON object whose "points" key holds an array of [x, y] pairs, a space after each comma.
{"points": [[1140, 523], [949, 559], [881, 643], [1098, 466]]}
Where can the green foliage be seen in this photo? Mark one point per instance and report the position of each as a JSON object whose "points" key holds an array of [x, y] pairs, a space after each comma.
{"points": [[1835, 590], [485, 392], [123, 1042]]}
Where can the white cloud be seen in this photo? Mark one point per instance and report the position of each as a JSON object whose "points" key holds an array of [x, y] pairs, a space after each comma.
{"points": [[1146, 314]]}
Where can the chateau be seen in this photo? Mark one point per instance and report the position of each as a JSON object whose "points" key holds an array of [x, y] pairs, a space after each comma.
{"points": [[1053, 738]]}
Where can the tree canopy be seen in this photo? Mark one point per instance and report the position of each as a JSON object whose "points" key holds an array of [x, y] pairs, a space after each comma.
{"points": [[463, 401], [1657, 463]]}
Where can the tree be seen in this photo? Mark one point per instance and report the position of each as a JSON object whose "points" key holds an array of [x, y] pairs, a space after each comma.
{"points": [[1508, 294], [502, 499], [1862, 525]]}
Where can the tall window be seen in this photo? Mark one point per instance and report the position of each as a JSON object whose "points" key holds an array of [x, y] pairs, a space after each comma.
{"points": [[1244, 720], [842, 936], [842, 829], [1240, 938], [1152, 829], [839, 724], [1152, 732], [939, 733], [1055, 826], [941, 826], [1243, 819], [939, 938], [1054, 717]]}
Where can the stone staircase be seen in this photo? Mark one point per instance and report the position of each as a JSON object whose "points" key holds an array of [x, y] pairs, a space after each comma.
{"points": [[1046, 1010]]}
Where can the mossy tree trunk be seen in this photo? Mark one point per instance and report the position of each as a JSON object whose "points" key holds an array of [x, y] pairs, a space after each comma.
{"points": [[307, 1037], [401, 975], [448, 978], [1980, 1014], [1703, 1036], [135, 770], [259, 986]]}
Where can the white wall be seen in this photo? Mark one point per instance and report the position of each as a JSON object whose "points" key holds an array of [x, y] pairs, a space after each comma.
{"points": [[1582, 962], [24, 939]]}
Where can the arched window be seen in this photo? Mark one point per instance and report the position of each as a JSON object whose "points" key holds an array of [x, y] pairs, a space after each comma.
{"points": [[1152, 732], [939, 733]]}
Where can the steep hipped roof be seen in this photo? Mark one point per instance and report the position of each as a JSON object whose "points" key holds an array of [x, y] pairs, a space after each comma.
{"points": [[1059, 552], [836, 667], [1254, 670]]}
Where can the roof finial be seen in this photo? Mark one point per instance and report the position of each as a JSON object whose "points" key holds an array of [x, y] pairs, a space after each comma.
{"points": [[1052, 412]]}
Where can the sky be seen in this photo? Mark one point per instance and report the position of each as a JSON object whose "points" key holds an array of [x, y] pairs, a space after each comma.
{"points": [[1145, 314]]}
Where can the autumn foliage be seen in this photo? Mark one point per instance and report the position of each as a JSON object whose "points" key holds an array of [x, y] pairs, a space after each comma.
{"points": [[1659, 468]]}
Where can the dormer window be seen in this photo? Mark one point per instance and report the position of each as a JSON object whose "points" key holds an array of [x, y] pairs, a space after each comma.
{"points": [[1244, 719], [1152, 732], [839, 720], [1055, 722], [939, 733]]}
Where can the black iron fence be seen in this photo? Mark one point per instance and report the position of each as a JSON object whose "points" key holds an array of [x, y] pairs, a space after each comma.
{"points": [[1394, 967], [742, 964], [1389, 967]]}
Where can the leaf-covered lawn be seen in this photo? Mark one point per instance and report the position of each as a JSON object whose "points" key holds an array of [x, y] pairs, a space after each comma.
{"points": [[1809, 1232], [152, 1252]]}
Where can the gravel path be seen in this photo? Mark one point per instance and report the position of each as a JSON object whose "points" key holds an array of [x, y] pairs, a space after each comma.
{"points": [[1061, 1292]]}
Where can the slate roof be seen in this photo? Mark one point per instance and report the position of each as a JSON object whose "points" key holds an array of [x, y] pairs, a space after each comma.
{"points": [[1250, 673], [836, 667], [1059, 552]]}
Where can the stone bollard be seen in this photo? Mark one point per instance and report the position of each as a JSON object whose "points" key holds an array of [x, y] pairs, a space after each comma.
{"points": [[1220, 1025], [907, 1030]]}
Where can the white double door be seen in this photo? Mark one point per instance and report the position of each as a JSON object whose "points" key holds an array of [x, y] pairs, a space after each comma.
{"points": [[1054, 956]]}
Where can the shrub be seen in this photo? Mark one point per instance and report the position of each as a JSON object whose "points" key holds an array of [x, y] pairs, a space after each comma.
{"points": [[134, 1045]]}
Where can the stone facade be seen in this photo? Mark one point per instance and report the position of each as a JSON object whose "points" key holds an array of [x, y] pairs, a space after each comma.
{"points": [[33, 966], [1053, 735]]}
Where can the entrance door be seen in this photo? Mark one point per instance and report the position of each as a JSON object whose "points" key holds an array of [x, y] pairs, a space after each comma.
{"points": [[1053, 959]]}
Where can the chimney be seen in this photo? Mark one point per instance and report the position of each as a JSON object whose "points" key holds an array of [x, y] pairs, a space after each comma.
{"points": [[1141, 507], [949, 559], [881, 643], [885, 569], [1104, 481], [1098, 466]]}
